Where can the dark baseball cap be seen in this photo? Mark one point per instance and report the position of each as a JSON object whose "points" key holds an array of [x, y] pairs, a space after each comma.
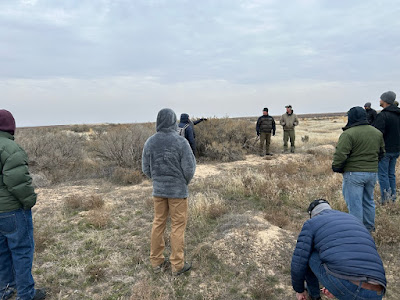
{"points": [[288, 106]]}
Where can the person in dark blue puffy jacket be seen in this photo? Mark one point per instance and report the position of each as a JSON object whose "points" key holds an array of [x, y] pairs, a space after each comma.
{"points": [[336, 249], [187, 125]]}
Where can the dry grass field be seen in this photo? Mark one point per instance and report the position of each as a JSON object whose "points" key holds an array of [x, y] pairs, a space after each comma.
{"points": [[94, 212]]}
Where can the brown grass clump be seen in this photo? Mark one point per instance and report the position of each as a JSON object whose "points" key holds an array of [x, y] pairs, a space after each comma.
{"points": [[124, 176], [144, 290], [99, 219], [80, 202]]}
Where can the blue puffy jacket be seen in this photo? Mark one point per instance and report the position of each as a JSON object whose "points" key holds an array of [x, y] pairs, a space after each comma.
{"points": [[344, 245], [189, 131]]}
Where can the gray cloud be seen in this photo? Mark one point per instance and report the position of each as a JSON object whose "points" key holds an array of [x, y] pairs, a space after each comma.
{"points": [[91, 54]]}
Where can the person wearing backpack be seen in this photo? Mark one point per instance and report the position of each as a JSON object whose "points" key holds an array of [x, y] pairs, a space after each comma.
{"points": [[186, 130]]}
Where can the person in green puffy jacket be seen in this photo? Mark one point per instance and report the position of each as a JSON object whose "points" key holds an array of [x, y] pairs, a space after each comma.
{"points": [[17, 197]]}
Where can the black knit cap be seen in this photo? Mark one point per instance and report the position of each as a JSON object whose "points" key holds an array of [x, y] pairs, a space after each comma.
{"points": [[265, 109]]}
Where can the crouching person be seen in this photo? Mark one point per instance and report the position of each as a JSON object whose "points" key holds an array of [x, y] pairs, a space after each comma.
{"points": [[335, 249], [17, 197], [169, 161]]}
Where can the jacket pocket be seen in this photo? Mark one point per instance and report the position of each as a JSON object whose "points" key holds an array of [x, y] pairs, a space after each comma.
{"points": [[8, 224]]}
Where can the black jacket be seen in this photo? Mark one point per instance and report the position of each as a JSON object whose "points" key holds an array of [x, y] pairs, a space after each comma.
{"points": [[371, 115], [388, 122], [266, 124]]}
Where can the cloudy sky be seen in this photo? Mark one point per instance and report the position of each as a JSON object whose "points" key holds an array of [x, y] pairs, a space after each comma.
{"points": [[85, 61]]}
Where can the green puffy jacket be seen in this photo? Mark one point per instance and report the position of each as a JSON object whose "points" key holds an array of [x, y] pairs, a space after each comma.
{"points": [[358, 150], [16, 190]]}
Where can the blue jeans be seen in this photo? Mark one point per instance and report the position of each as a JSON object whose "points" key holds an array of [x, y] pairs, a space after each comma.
{"points": [[16, 254], [342, 289], [387, 176], [358, 192]]}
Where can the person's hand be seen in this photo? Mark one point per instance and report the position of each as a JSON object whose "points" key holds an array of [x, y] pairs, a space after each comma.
{"points": [[325, 291], [302, 296]]}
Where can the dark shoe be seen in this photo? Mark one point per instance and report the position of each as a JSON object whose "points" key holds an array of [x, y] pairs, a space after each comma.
{"points": [[186, 267], [292, 150], [7, 294], [162, 267], [315, 298], [269, 154], [40, 294], [262, 155]]}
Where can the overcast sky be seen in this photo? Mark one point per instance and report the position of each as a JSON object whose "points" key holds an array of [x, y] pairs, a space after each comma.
{"points": [[85, 61]]}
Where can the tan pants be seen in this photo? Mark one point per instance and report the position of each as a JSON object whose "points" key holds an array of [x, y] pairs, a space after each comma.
{"points": [[265, 139], [177, 208]]}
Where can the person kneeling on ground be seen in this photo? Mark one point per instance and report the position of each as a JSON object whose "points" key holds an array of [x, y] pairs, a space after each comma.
{"points": [[168, 160], [334, 248], [17, 197]]}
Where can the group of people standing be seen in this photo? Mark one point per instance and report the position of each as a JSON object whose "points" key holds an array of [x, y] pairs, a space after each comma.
{"points": [[333, 248], [336, 248], [265, 127]]}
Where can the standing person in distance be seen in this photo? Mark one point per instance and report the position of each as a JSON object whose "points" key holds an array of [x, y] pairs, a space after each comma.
{"points": [[371, 113], [265, 125], [186, 129], [358, 151], [169, 162], [17, 197], [289, 121], [388, 122]]}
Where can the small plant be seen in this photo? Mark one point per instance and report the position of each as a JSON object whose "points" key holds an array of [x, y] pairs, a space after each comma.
{"points": [[124, 176]]}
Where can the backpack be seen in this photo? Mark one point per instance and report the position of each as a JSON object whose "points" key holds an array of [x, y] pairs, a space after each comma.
{"points": [[182, 130]]}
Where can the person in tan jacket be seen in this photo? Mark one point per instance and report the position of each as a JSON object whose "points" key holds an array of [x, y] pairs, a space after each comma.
{"points": [[289, 121]]}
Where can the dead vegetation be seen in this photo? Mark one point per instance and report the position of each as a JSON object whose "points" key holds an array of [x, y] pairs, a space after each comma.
{"points": [[92, 229]]}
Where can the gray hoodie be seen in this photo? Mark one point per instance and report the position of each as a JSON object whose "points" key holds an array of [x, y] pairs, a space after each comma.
{"points": [[168, 159]]}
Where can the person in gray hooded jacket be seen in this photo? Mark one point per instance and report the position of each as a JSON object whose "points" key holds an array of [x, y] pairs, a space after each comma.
{"points": [[168, 160]]}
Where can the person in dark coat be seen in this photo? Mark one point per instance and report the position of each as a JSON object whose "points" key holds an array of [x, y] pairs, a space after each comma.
{"points": [[335, 249], [371, 113], [388, 122], [17, 197], [189, 132], [264, 127]]}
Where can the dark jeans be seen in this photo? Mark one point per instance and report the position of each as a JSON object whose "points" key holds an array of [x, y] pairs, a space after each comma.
{"points": [[342, 289], [16, 254], [387, 177]]}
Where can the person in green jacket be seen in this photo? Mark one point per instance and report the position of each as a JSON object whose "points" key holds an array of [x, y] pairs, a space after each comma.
{"points": [[358, 151], [289, 121], [17, 197]]}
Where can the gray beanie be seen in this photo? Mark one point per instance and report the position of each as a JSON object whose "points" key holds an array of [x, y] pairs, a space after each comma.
{"points": [[368, 104], [319, 208], [388, 97]]}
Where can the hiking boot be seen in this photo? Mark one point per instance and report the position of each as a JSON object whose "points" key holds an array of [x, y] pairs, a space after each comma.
{"points": [[315, 298], [7, 293], [269, 154], [40, 294], [186, 267], [291, 150], [162, 267]]}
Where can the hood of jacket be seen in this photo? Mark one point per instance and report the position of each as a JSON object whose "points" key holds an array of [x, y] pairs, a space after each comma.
{"points": [[166, 121], [7, 122], [184, 118], [392, 109], [356, 116]]}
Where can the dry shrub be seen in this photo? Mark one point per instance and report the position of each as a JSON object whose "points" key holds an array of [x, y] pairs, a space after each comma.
{"points": [[99, 219], [125, 176], [92, 202], [81, 202], [121, 145], [96, 272], [56, 154], [209, 205], [264, 288], [280, 217], [73, 202], [224, 139]]}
